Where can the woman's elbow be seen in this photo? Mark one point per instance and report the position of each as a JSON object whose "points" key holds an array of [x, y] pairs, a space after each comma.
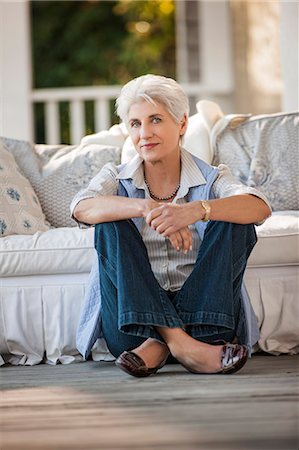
{"points": [[80, 212], [264, 210]]}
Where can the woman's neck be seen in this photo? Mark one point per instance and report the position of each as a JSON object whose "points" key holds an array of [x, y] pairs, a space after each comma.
{"points": [[162, 171], [162, 178]]}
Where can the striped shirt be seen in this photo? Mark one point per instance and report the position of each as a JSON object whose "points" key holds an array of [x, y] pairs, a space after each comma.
{"points": [[171, 268]]}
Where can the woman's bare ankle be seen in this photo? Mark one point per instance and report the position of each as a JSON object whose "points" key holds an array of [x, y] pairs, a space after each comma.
{"points": [[191, 353]]}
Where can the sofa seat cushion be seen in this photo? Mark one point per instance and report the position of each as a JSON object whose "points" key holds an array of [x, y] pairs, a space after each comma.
{"points": [[57, 251], [70, 250], [278, 240]]}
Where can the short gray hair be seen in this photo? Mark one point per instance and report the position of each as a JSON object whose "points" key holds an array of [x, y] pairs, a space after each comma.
{"points": [[153, 88]]}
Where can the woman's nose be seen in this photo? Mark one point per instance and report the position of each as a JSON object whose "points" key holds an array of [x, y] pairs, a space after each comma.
{"points": [[145, 131]]}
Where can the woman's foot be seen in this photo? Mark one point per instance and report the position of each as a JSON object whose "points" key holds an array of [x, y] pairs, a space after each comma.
{"points": [[152, 352], [199, 357]]}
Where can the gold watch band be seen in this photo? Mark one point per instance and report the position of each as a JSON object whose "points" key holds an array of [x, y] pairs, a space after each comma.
{"points": [[207, 209]]}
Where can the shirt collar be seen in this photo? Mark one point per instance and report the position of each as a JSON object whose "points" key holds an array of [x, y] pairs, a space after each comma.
{"points": [[191, 174], [133, 170]]}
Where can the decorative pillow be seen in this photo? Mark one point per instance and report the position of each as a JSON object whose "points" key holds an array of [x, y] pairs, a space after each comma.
{"points": [[20, 210], [263, 152], [115, 136], [231, 148], [58, 172]]}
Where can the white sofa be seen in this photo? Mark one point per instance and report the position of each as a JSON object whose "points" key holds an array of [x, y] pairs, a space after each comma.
{"points": [[44, 275]]}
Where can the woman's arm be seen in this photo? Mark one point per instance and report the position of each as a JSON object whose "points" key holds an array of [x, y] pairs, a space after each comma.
{"points": [[243, 209], [108, 208]]}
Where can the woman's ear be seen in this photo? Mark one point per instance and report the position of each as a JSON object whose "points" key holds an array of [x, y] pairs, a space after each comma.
{"points": [[183, 124]]}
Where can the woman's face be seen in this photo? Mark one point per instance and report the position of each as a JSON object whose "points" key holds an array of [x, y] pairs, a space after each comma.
{"points": [[154, 132]]}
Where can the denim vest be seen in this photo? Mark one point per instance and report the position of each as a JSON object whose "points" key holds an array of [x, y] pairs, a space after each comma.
{"points": [[89, 329]]}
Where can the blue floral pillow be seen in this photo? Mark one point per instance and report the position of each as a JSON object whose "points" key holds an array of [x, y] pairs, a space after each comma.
{"points": [[263, 152], [20, 210]]}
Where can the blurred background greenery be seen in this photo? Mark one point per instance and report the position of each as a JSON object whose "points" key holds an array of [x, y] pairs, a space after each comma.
{"points": [[80, 43]]}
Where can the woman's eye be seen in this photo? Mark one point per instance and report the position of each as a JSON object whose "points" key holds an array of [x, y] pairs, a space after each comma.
{"points": [[156, 120], [134, 124]]}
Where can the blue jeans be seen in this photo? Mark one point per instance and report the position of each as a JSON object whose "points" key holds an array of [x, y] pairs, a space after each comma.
{"points": [[133, 303]]}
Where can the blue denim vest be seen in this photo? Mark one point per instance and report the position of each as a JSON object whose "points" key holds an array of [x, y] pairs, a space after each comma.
{"points": [[89, 329]]}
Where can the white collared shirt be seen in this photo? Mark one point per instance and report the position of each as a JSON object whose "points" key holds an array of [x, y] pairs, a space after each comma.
{"points": [[171, 268]]}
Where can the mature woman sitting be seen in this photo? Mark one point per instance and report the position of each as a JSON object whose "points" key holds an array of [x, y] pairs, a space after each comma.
{"points": [[173, 235]]}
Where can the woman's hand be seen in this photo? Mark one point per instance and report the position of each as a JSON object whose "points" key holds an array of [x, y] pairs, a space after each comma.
{"points": [[169, 218], [181, 240], [148, 206]]}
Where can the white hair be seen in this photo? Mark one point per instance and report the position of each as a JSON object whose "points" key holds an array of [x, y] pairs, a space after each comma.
{"points": [[153, 88]]}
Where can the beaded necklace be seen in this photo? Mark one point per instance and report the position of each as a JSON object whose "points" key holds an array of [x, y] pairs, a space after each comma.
{"points": [[155, 197]]}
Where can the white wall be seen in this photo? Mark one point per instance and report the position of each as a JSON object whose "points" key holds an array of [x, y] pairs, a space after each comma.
{"points": [[15, 70]]}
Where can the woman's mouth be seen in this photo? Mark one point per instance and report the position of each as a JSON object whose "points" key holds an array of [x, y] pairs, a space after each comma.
{"points": [[148, 146]]}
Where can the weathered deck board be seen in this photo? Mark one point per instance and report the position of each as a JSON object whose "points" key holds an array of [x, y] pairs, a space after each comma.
{"points": [[96, 406]]}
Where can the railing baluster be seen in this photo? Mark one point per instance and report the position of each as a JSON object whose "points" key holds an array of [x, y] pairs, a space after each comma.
{"points": [[52, 123], [102, 114], [77, 121], [101, 95]]}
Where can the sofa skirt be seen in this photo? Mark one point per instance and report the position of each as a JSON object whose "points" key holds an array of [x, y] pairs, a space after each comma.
{"points": [[39, 315], [273, 292]]}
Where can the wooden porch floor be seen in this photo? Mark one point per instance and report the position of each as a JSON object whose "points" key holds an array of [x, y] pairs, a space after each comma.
{"points": [[96, 406]]}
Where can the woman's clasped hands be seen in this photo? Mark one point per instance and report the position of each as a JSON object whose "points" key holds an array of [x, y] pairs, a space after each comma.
{"points": [[172, 221]]}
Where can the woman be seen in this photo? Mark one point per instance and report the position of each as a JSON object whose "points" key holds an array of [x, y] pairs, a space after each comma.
{"points": [[172, 235]]}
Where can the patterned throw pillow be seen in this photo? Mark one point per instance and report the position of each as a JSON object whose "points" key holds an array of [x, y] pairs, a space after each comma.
{"points": [[20, 210], [58, 172], [263, 152]]}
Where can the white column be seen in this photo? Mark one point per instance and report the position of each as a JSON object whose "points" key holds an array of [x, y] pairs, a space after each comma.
{"points": [[289, 40], [216, 50], [15, 70], [216, 45]]}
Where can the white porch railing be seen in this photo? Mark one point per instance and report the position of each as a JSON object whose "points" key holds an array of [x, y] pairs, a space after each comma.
{"points": [[76, 97], [101, 96]]}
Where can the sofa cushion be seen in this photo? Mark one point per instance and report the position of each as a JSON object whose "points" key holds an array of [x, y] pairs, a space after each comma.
{"points": [[70, 250], [58, 172], [263, 153], [278, 241], [20, 210], [57, 251]]}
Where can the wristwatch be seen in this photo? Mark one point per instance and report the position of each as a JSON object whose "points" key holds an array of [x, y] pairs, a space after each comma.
{"points": [[207, 209]]}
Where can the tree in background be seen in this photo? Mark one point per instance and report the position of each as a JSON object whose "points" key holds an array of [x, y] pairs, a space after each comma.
{"points": [[78, 43], [84, 43]]}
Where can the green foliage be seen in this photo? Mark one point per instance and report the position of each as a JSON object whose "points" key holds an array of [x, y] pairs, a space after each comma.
{"points": [[78, 43], [85, 43]]}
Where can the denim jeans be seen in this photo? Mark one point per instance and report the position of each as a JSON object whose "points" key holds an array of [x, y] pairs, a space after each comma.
{"points": [[133, 303]]}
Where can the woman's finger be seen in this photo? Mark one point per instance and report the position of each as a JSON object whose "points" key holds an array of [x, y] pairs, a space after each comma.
{"points": [[153, 214], [176, 241], [186, 239]]}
